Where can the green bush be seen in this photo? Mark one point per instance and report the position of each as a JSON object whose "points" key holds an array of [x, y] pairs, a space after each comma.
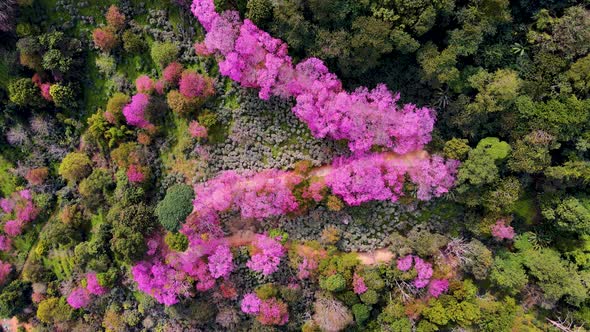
{"points": [[133, 43], [23, 92], [175, 207], [164, 53], [361, 312], [176, 241], [75, 166], [370, 297], [333, 283], [14, 298], [54, 310], [63, 96]]}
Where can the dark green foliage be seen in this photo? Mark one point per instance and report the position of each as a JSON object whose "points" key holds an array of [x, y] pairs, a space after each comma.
{"points": [[129, 224], [361, 312], [14, 298], [133, 43], [175, 207]]}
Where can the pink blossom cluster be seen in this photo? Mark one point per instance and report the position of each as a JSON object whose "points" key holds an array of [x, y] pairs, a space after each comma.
{"points": [[196, 130], [22, 209], [267, 254], [93, 285], [255, 195], [166, 274], [502, 231], [271, 311], [172, 73], [79, 298], [193, 85], [134, 174], [5, 269], [364, 117], [376, 177], [144, 84], [358, 284], [424, 274], [43, 87], [305, 268], [161, 281], [134, 112]]}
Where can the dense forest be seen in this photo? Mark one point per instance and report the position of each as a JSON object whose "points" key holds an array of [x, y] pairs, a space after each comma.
{"points": [[295, 165]]}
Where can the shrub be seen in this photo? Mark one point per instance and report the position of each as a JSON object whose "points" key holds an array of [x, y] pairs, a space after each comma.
{"points": [[333, 283], [175, 207], [96, 187], [133, 43], [179, 104], [164, 53], [63, 96], [176, 241], [115, 18], [266, 291], [116, 104], [106, 64], [14, 298], [331, 315], [369, 297], [172, 73], [105, 38], [23, 92], [361, 312], [75, 166], [193, 85], [37, 176], [54, 310]]}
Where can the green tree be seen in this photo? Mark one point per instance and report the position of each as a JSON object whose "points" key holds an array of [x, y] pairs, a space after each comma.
{"points": [[175, 207], [63, 96], [75, 166], [54, 310], [23, 92]]}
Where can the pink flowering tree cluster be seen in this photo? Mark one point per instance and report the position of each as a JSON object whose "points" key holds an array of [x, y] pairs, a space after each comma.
{"points": [[271, 311], [20, 210], [168, 275], [266, 254], [356, 180], [365, 118], [194, 85], [424, 274], [186, 90], [134, 112], [144, 84], [82, 296], [502, 231]]}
